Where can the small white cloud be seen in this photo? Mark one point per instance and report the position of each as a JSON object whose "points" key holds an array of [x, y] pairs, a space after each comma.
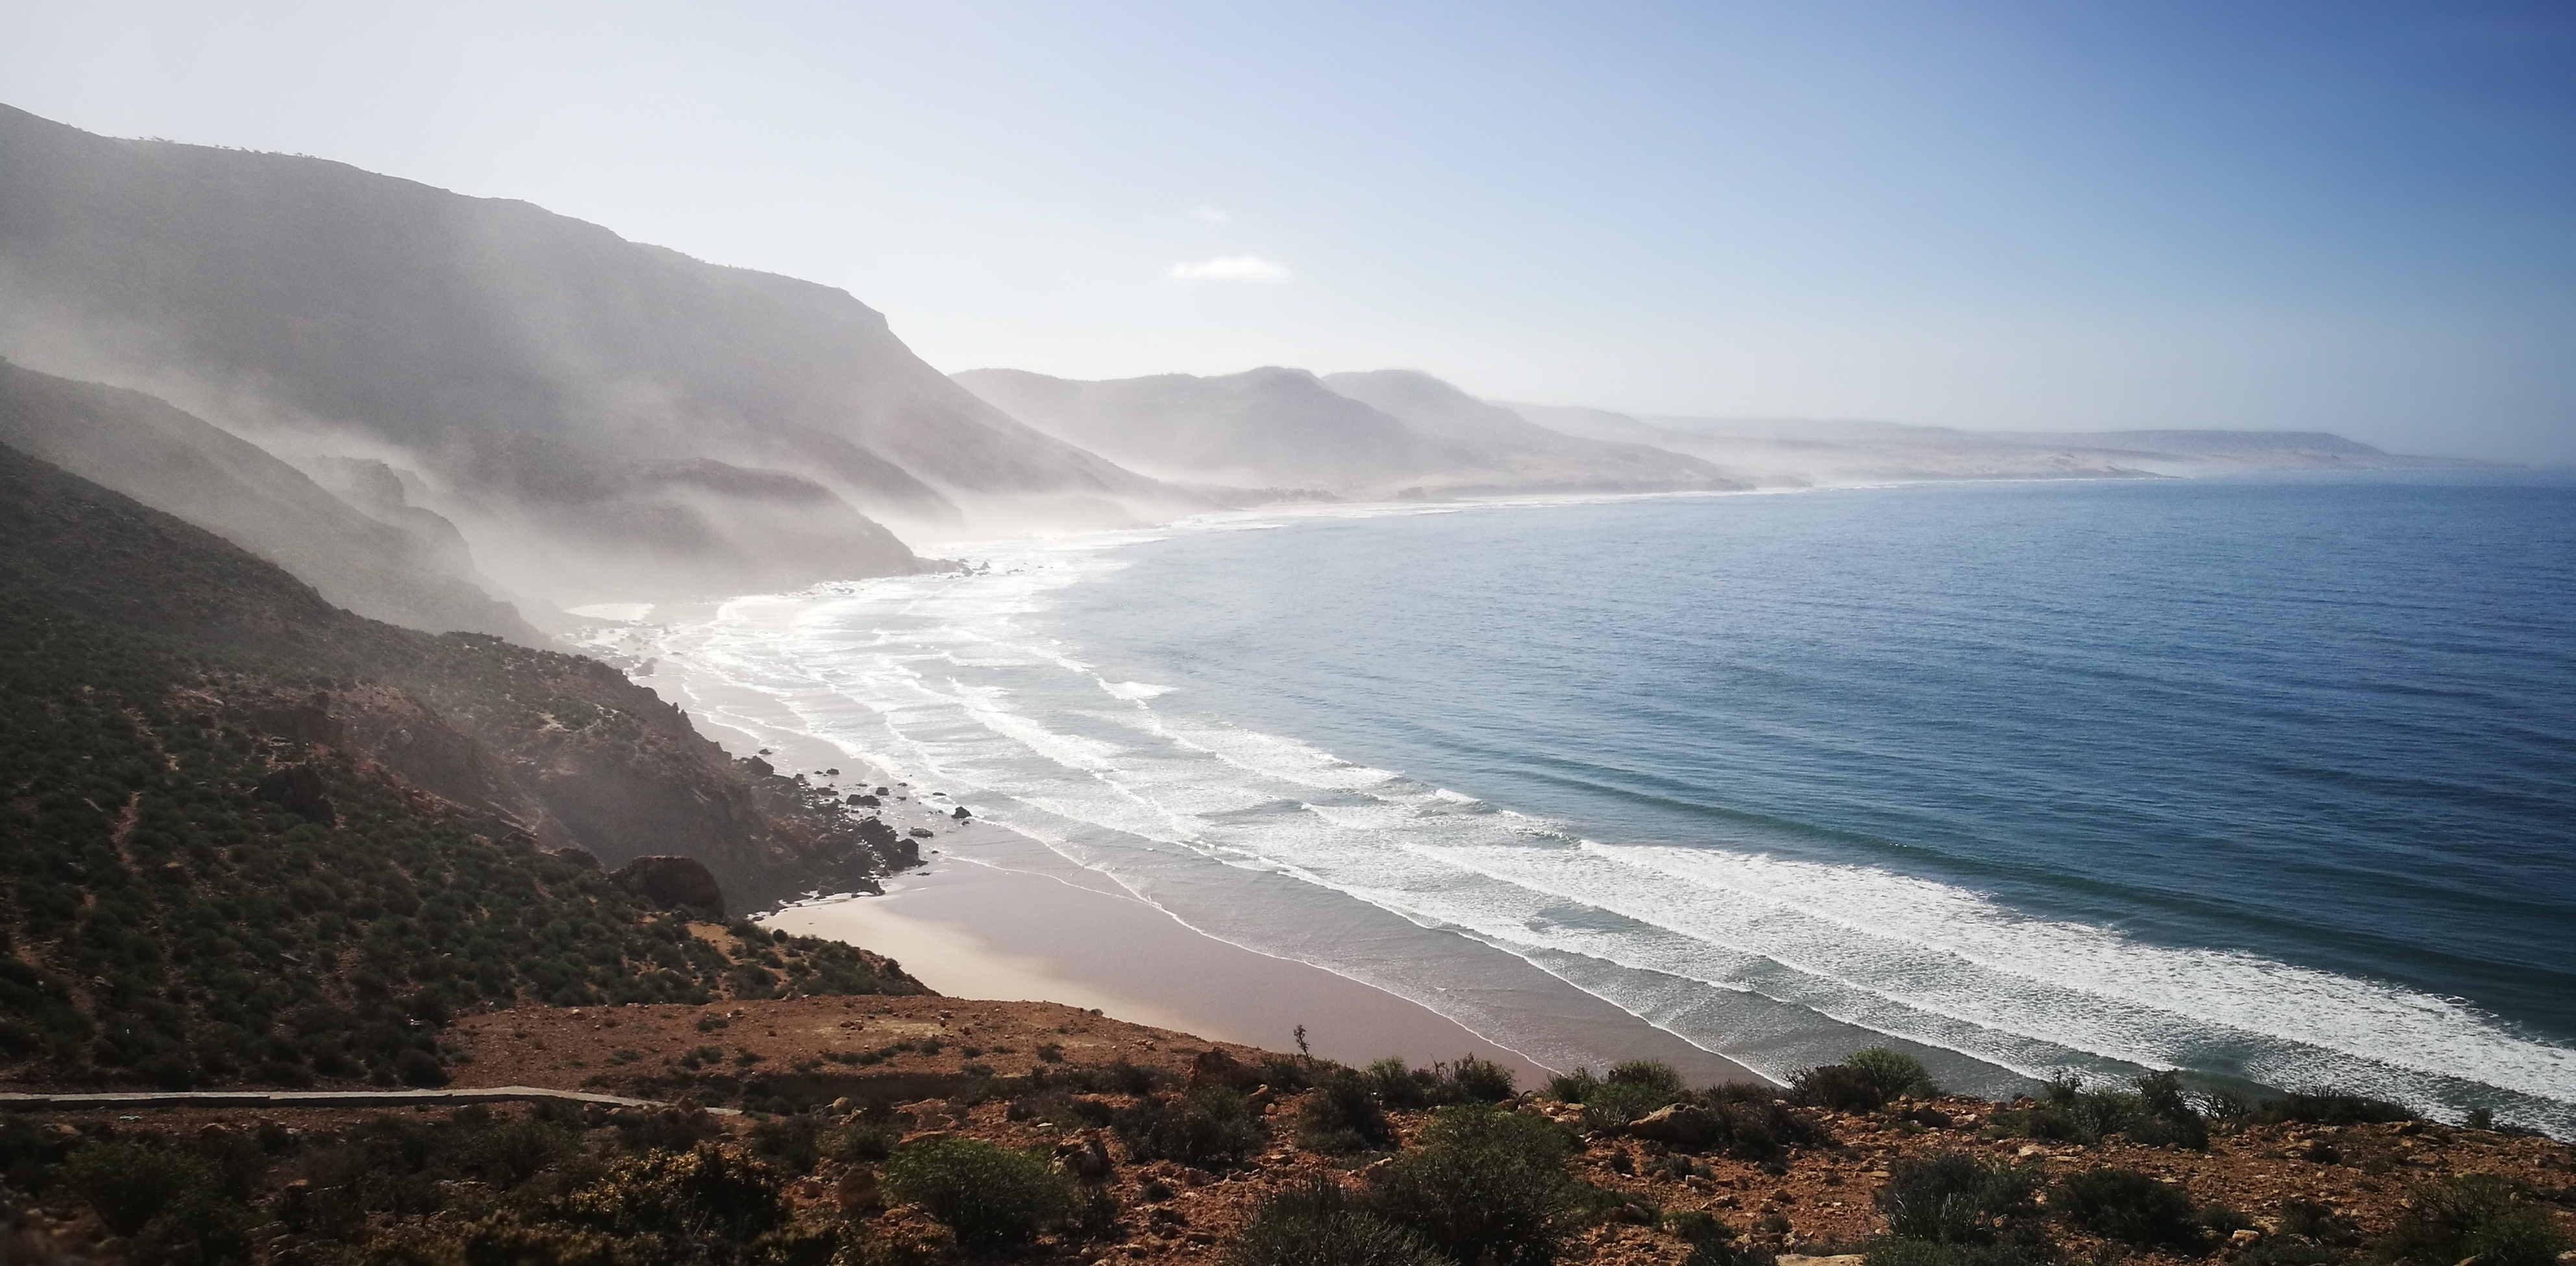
{"points": [[1230, 268], [1209, 214]]}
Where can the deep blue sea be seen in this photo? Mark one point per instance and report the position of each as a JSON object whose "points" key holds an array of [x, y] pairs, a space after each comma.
{"points": [[2269, 779]]}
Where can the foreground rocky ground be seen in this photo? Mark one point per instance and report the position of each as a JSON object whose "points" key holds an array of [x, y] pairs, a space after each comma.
{"points": [[1160, 1147]]}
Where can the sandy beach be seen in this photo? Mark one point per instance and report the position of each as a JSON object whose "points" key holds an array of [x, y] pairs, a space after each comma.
{"points": [[997, 915]]}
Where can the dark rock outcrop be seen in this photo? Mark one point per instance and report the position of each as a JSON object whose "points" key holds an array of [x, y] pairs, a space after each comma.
{"points": [[298, 790], [673, 883]]}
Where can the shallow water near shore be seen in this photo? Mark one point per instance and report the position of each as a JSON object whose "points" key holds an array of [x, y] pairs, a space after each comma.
{"points": [[2266, 779]]}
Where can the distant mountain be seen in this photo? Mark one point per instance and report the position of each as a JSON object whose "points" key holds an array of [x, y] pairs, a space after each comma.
{"points": [[595, 415], [1352, 434], [1268, 427], [1512, 453], [410, 571], [1805, 451]]}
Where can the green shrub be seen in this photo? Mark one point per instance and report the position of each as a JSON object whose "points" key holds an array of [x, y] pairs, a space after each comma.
{"points": [[1647, 1074], [1319, 1224], [1481, 1080], [507, 1154], [204, 1224], [707, 1193], [1890, 1250], [1954, 1198], [129, 1184], [2128, 1206], [1209, 1125], [2329, 1107], [988, 1195], [1864, 1081], [1342, 1116], [1633, 1089], [1573, 1087], [2471, 1215], [1485, 1186], [2157, 1113], [793, 1143]]}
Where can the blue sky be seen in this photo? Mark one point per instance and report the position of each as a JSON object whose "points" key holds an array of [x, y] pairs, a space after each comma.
{"points": [[2346, 216]]}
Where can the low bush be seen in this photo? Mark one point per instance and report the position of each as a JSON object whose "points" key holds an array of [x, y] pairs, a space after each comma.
{"points": [[130, 1184], [2130, 1207], [1485, 1187], [1955, 1198], [2329, 1107], [1212, 1125], [1631, 1090], [1864, 1081], [1342, 1116], [1121, 1078], [707, 1194], [2468, 1216], [793, 1143], [2155, 1112], [1470, 1080], [1320, 1224], [990, 1196]]}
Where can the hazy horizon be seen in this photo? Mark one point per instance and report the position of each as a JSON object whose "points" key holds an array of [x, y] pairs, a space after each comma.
{"points": [[2316, 218]]}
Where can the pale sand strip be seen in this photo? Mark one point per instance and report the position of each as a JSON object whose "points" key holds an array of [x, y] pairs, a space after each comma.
{"points": [[1017, 922]]}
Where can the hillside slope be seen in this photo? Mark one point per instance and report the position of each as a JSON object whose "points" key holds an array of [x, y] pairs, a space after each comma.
{"points": [[584, 401], [551, 750], [142, 447], [219, 867]]}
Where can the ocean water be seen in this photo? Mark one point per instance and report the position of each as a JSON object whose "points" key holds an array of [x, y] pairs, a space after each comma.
{"points": [[2270, 780]]}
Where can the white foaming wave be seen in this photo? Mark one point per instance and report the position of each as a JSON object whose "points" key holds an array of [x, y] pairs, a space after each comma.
{"points": [[1134, 691], [1273, 756], [2240, 990], [1948, 953]]}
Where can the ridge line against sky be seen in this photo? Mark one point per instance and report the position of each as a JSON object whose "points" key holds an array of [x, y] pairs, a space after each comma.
{"points": [[2306, 216]]}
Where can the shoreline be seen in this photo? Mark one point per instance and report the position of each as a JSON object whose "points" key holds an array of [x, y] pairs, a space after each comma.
{"points": [[999, 916]]}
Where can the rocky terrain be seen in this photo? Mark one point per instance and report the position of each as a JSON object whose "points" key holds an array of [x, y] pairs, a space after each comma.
{"points": [[1132, 1144]]}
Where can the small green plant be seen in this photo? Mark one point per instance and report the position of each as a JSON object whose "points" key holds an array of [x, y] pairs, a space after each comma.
{"points": [[1486, 1186], [990, 1196], [2130, 1207], [1955, 1198], [1209, 1125], [129, 1184], [1320, 1224], [707, 1193], [1864, 1081], [2330, 1107], [1342, 1116], [1632, 1089], [2467, 1216], [2156, 1112], [1573, 1087]]}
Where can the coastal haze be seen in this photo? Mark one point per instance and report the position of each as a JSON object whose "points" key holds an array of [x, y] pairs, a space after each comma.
{"points": [[2042, 671]]}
